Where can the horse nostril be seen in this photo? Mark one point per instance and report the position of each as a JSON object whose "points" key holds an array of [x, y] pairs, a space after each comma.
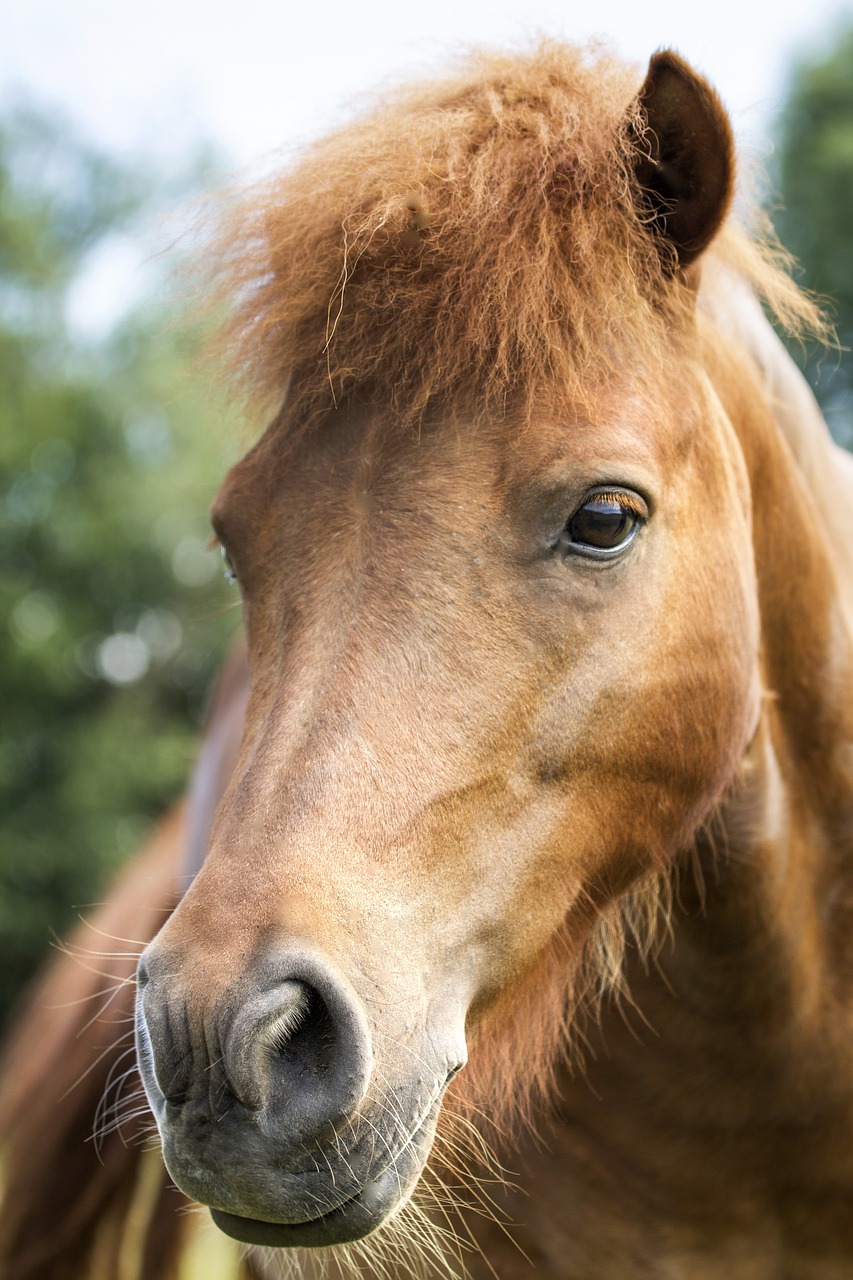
{"points": [[303, 1036], [274, 1029], [299, 1052]]}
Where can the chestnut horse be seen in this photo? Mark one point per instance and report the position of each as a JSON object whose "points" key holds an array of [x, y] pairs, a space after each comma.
{"points": [[517, 934]]}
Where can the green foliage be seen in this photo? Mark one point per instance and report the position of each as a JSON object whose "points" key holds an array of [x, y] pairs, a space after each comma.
{"points": [[113, 613], [815, 176]]}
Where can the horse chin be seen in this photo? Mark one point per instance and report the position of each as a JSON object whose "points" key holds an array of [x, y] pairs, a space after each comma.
{"points": [[381, 1196]]}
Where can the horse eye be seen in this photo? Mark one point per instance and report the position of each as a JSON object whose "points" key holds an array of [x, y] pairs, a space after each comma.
{"points": [[604, 525], [230, 574]]}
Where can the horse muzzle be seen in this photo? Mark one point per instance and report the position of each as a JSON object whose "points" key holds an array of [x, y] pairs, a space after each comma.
{"points": [[384, 1191], [268, 1104]]}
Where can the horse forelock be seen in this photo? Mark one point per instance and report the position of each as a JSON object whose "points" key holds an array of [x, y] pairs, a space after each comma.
{"points": [[467, 242], [462, 242]]}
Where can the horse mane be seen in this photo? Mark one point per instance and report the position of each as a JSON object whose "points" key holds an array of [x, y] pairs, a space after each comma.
{"points": [[78, 1203], [472, 241]]}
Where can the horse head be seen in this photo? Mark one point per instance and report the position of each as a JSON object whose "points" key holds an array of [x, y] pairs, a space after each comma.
{"points": [[504, 657]]}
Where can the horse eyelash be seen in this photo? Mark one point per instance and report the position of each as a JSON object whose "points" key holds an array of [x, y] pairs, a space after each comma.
{"points": [[215, 541], [630, 501]]}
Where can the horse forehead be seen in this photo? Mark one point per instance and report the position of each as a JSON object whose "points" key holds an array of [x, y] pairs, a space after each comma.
{"points": [[337, 481], [365, 462]]}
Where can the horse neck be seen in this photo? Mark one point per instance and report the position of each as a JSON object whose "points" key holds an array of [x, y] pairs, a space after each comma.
{"points": [[825, 470], [773, 910]]}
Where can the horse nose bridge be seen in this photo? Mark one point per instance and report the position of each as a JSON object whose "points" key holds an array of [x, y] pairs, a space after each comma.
{"points": [[366, 720]]}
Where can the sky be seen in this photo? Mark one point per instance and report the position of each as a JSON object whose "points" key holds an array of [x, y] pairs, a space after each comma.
{"points": [[156, 78], [153, 75]]}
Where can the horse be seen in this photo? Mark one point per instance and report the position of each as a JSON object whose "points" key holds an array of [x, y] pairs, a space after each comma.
{"points": [[506, 929]]}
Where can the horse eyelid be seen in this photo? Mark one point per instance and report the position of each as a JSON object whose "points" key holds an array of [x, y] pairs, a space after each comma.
{"points": [[230, 572], [215, 541], [631, 501]]}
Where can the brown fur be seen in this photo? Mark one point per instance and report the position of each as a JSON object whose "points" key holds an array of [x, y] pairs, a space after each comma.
{"points": [[484, 244], [469, 243], [710, 1133], [75, 1207]]}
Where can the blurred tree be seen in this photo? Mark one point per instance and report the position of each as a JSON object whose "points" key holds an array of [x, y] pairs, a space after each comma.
{"points": [[815, 177], [113, 612]]}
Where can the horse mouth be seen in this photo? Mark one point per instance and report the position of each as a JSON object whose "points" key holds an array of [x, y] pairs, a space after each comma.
{"points": [[356, 1217], [352, 1220]]}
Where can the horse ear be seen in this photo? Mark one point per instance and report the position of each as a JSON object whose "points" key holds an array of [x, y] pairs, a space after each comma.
{"points": [[685, 158]]}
